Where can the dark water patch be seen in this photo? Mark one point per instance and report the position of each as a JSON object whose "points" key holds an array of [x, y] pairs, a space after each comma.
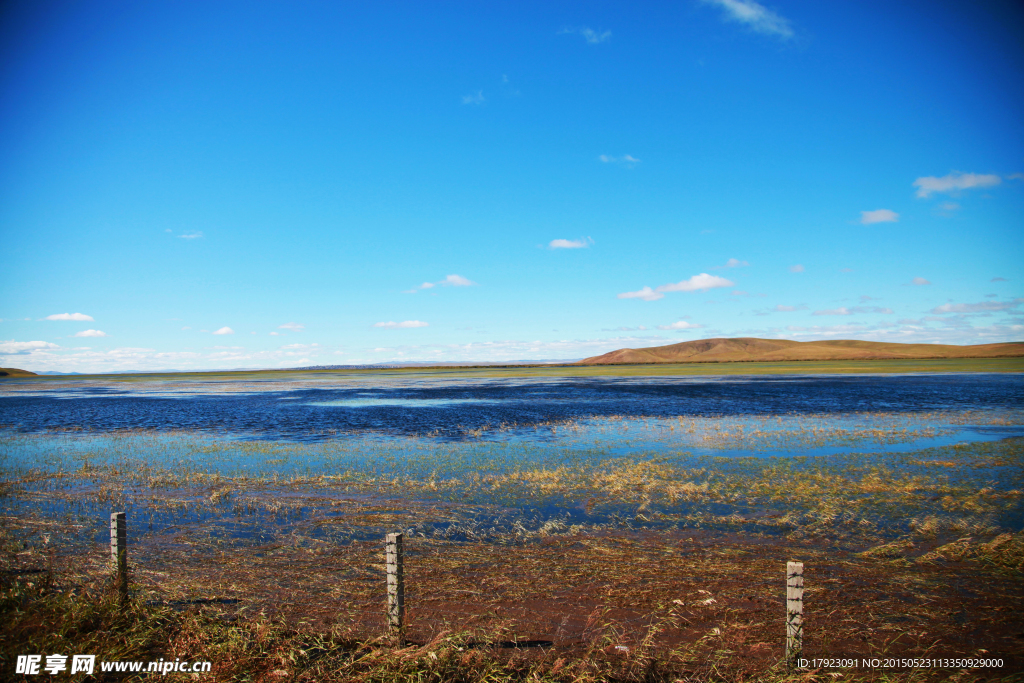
{"points": [[458, 410]]}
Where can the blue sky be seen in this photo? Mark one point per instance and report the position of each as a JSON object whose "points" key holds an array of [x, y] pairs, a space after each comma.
{"points": [[223, 185]]}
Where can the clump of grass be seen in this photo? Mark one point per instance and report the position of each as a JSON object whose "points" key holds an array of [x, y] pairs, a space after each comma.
{"points": [[1005, 551]]}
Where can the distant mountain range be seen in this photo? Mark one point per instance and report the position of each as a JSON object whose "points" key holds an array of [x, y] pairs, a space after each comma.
{"points": [[752, 349]]}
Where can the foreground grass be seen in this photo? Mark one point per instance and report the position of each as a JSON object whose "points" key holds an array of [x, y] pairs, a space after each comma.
{"points": [[616, 608]]}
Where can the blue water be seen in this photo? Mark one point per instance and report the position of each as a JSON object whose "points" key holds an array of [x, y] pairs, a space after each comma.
{"points": [[454, 409], [418, 425]]}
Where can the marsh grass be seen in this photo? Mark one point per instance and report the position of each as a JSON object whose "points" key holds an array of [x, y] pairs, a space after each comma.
{"points": [[616, 608], [647, 549]]}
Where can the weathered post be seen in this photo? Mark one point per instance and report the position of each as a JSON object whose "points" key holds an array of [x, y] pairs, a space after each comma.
{"points": [[396, 584], [794, 612], [119, 554]]}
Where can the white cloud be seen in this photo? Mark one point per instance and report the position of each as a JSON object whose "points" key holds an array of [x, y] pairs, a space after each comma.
{"points": [[878, 216], [697, 283], [1015, 176], [647, 294], [953, 182], [449, 281], [756, 16], [16, 348], [224, 330], [796, 269], [474, 98], [734, 263], [406, 323], [784, 309], [275, 334], [589, 34], [90, 333], [949, 206], [457, 281], [680, 325], [191, 235], [295, 327], [919, 281], [626, 159], [856, 309], [581, 243], [68, 316], [981, 306]]}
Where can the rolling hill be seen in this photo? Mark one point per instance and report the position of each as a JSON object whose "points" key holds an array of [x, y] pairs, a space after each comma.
{"points": [[15, 372], [766, 350]]}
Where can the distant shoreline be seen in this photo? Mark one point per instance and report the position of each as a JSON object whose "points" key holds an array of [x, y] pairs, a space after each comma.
{"points": [[702, 367]]}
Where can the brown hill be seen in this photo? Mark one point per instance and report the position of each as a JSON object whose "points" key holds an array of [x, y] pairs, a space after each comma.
{"points": [[752, 349], [15, 372]]}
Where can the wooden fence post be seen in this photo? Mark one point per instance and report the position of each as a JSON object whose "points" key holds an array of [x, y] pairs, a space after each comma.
{"points": [[396, 584], [119, 554], [794, 612]]}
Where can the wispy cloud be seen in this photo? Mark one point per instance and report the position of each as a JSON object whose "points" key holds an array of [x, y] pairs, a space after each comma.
{"points": [[999, 279], [69, 316], [696, 283], [90, 333], [919, 281], [474, 98], [980, 307], [878, 216], [294, 327], [590, 35], [449, 281], [391, 324], [16, 348], [781, 308], [680, 325], [647, 294], [581, 243], [798, 268], [191, 235], [755, 16], [627, 160], [731, 263], [856, 309], [224, 330], [954, 182]]}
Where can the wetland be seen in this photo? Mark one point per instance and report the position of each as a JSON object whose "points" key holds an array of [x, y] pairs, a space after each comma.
{"points": [[637, 523]]}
